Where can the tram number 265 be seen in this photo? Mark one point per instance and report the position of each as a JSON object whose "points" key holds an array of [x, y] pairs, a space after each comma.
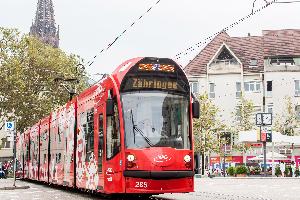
{"points": [[141, 184]]}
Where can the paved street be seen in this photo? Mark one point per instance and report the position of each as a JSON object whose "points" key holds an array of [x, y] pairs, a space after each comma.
{"points": [[206, 189]]}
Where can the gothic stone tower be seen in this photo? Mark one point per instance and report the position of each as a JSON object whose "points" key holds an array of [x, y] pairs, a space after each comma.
{"points": [[44, 24]]}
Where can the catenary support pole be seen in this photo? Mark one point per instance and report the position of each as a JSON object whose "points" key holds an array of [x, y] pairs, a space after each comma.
{"points": [[264, 110], [15, 162], [265, 158]]}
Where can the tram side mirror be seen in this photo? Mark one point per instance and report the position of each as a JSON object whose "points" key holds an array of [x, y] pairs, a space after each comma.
{"points": [[196, 109], [109, 107]]}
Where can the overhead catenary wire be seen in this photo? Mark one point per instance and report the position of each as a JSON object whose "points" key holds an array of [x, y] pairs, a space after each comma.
{"points": [[121, 34], [209, 38]]}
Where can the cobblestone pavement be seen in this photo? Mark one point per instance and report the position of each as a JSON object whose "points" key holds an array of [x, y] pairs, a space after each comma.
{"points": [[243, 189], [205, 189]]}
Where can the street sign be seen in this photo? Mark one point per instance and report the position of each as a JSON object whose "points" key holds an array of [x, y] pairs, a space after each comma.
{"points": [[10, 126], [263, 136], [269, 136], [266, 134]]}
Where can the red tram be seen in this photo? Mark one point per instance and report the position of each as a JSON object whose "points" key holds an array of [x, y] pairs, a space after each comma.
{"points": [[129, 133]]}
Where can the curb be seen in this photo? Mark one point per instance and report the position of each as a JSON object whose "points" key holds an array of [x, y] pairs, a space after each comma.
{"points": [[256, 178], [14, 188], [247, 177]]}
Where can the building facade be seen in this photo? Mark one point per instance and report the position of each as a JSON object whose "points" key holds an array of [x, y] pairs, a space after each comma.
{"points": [[44, 24], [253, 66], [6, 144]]}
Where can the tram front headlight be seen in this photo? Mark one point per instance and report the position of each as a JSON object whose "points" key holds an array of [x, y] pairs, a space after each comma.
{"points": [[187, 158], [130, 158], [130, 161]]}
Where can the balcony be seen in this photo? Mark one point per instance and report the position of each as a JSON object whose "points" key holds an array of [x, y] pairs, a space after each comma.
{"points": [[224, 66]]}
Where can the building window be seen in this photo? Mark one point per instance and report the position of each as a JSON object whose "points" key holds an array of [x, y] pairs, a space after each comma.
{"points": [[297, 109], [269, 88], [270, 108], [252, 86], [238, 92], [297, 88], [282, 61], [194, 87], [212, 90], [253, 62]]}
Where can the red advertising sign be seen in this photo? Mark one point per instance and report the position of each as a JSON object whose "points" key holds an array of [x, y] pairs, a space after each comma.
{"points": [[263, 136], [214, 160]]}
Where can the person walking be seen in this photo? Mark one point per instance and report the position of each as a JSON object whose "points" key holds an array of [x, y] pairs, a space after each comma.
{"points": [[293, 167], [282, 168]]}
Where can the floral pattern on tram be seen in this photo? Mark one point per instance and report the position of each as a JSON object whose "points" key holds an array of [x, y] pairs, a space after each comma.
{"points": [[33, 164], [52, 172], [80, 161], [69, 123], [92, 173]]}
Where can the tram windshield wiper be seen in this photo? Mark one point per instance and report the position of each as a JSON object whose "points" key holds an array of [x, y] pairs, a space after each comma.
{"points": [[135, 130]]}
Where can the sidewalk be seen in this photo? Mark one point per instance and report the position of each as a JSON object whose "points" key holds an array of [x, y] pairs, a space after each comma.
{"points": [[246, 177], [7, 184]]}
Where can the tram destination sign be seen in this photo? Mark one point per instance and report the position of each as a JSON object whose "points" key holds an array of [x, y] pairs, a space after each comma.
{"points": [[158, 83]]}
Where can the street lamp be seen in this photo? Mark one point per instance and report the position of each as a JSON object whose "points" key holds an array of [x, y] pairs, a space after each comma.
{"points": [[69, 88]]}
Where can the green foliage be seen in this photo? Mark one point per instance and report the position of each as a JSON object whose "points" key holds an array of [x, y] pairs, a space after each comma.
{"points": [[287, 122], [277, 171], [244, 116], [231, 171], [28, 68], [241, 169], [297, 172], [257, 170], [207, 129]]}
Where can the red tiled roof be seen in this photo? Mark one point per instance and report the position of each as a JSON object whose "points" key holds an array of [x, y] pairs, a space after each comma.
{"points": [[246, 48], [281, 42], [198, 64]]}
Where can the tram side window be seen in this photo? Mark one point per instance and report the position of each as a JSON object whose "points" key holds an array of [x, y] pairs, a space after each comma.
{"points": [[113, 142], [100, 143], [88, 127], [27, 153], [60, 132]]}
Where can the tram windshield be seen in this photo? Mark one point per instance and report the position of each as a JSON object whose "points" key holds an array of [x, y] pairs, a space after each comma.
{"points": [[156, 119]]}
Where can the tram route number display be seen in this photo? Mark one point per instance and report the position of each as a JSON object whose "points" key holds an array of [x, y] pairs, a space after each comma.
{"points": [[139, 184]]}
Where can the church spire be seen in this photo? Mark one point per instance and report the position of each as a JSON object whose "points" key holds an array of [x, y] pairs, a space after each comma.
{"points": [[44, 23]]}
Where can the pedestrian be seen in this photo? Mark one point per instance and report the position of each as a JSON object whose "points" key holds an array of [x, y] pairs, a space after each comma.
{"points": [[293, 167], [282, 168]]}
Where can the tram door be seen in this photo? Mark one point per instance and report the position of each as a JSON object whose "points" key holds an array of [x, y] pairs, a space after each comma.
{"points": [[99, 121], [112, 157]]}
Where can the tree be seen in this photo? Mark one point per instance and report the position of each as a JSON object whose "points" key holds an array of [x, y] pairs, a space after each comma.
{"points": [[207, 129], [28, 68], [287, 122], [244, 120]]}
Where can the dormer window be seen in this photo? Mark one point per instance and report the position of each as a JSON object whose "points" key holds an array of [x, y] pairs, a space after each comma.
{"points": [[225, 57], [253, 62], [282, 61]]}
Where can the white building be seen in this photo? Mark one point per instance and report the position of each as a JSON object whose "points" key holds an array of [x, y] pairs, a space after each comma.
{"points": [[228, 66], [6, 145]]}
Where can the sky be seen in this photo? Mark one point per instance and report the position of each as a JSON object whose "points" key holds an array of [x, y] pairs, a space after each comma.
{"points": [[87, 26]]}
